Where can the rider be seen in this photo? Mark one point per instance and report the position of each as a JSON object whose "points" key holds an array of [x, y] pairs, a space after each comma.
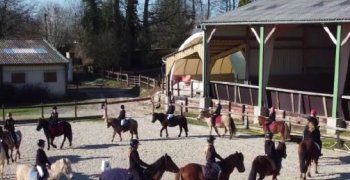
{"points": [[271, 119], [42, 161], [270, 149], [10, 126], [216, 113], [135, 163], [54, 116], [171, 110], [211, 155], [4, 145], [121, 118], [315, 134]]}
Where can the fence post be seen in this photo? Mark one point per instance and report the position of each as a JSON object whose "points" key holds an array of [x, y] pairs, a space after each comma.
{"points": [[181, 109], [139, 80], [147, 82], [191, 89], [229, 108], [3, 112], [127, 79], [186, 104], [106, 108], [172, 88], [152, 106], [178, 88], [75, 109], [42, 110]]}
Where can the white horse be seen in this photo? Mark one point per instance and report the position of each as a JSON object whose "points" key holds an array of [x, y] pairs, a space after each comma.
{"points": [[224, 120], [2, 160], [61, 169]]}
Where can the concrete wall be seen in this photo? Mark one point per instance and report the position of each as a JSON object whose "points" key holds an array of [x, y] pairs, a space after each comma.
{"points": [[35, 75]]}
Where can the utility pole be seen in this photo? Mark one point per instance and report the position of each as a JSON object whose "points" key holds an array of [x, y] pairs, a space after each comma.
{"points": [[45, 19]]}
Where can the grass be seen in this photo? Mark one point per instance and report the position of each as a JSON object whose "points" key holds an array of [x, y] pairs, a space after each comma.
{"points": [[22, 112]]}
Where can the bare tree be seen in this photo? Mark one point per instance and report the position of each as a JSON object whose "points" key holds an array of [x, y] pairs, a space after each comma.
{"points": [[208, 11]]}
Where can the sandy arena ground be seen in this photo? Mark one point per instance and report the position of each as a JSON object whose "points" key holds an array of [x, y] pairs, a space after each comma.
{"points": [[92, 144]]}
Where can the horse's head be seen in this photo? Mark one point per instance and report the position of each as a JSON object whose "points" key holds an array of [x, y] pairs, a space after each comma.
{"points": [[237, 160], [170, 165], [155, 116], [66, 168], [282, 148], [109, 123], [40, 125]]}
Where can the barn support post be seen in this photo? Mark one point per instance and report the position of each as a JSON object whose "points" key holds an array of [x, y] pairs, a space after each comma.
{"points": [[205, 100], [3, 112], [106, 111], [75, 109], [42, 110], [260, 38]]}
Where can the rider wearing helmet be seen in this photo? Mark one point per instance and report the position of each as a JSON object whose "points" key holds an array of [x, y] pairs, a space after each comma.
{"points": [[315, 134], [121, 117], [216, 113], [271, 119], [135, 163], [270, 149], [171, 110], [10, 126], [211, 155], [54, 116], [42, 161]]}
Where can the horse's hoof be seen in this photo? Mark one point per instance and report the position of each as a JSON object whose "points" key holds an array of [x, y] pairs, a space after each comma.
{"points": [[316, 172], [308, 175]]}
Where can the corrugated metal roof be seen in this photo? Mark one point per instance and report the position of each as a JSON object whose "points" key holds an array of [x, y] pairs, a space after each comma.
{"points": [[286, 12], [19, 52]]}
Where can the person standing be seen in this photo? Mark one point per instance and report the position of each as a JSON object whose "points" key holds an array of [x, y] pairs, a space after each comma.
{"points": [[211, 154]]}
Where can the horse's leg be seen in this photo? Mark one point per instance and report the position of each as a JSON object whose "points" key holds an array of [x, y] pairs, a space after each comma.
{"points": [[120, 135], [53, 145], [316, 166], [161, 130], [225, 130], [64, 139], [180, 131], [113, 135], [166, 130], [308, 166], [210, 129], [12, 155], [137, 134], [216, 130], [132, 134], [48, 142]]}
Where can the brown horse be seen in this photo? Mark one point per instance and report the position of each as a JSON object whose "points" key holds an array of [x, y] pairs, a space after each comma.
{"points": [[194, 171], [115, 123], [179, 120], [263, 166], [308, 152], [275, 127], [62, 128], [154, 172], [7, 137], [224, 120]]}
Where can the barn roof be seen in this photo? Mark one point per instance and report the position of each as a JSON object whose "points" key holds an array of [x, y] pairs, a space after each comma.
{"points": [[286, 12], [25, 52]]}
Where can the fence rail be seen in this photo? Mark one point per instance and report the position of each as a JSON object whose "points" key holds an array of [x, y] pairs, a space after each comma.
{"points": [[133, 79]]}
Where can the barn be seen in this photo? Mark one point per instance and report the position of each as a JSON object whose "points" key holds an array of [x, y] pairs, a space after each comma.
{"points": [[33, 62]]}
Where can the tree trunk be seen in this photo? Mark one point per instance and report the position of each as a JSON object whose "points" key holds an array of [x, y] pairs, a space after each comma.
{"points": [[193, 11], [146, 32], [208, 11]]}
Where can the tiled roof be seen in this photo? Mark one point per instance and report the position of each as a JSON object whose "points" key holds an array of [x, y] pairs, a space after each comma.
{"points": [[286, 12], [13, 52]]}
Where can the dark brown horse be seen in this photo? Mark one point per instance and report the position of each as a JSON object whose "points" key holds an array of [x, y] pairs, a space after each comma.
{"points": [[308, 152], [181, 121], [61, 128], [262, 165], [275, 127], [7, 137], [117, 128], [193, 171], [154, 172]]}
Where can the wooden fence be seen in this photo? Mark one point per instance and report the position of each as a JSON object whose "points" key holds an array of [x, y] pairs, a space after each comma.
{"points": [[130, 80]]}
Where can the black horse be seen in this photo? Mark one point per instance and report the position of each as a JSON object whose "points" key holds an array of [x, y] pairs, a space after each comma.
{"points": [[178, 120], [61, 128]]}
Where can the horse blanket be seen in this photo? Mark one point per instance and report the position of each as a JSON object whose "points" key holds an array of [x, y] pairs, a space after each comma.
{"points": [[116, 174], [56, 129]]}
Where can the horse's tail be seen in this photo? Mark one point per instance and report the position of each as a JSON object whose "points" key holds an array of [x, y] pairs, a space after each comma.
{"points": [[19, 140], [69, 132], [302, 156], [253, 171], [178, 175], [233, 126]]}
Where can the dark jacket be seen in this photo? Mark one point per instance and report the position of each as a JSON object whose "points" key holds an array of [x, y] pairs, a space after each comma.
{"points": [[10, 125], [122, 114], [41, 158], [135, 162], [313, 120], [315, 135], [211, 154], [270, 149], [272, 117], [218, 110], [171, 109], [54, 117]]}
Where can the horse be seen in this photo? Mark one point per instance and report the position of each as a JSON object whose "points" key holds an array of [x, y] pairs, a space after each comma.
{"points": [[194, 171], [263, 165], [308, 151], [61, 128], [3, 158], [154, 172], [61, 169], [115, 123], [181, 121], [7, 137], [224, 120], [276, 127]]}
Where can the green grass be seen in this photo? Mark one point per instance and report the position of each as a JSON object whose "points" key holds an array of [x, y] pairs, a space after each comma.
{"points": [[22, 112]]}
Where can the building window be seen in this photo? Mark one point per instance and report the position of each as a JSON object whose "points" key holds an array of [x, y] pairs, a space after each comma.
{"points": [[18, 78], [50, 77]]}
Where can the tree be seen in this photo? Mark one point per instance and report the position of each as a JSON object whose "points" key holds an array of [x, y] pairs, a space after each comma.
{"points": [[243, 2], [131, 30]]}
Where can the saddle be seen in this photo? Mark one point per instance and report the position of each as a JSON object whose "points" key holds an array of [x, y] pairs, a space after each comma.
{"points": [[211, 171], [56, 129]]}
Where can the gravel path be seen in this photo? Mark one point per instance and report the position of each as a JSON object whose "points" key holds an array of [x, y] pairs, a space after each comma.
{"points": [[91, 145]]}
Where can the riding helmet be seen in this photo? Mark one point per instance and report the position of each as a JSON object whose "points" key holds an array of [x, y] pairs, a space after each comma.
{"points": [[268, 135], [134, 142], [122, 107], [210, 139], [54, 107], [41, 143]]}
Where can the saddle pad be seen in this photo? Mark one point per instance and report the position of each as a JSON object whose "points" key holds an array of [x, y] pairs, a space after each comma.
{"points": [[172, 121], [273, 126], [116, 174], [218, 121]]}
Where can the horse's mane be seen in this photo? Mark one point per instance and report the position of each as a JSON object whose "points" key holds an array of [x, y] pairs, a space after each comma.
{"points": [[157, 163]]}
